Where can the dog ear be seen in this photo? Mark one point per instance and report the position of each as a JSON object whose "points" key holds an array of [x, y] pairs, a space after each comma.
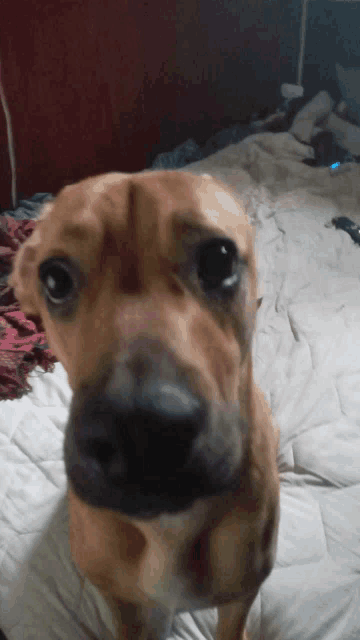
{"points": [[22, 277]]}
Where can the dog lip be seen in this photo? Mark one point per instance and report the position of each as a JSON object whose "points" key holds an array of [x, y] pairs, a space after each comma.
{"points": [[146, 499], [140, 505], [204, 474]]}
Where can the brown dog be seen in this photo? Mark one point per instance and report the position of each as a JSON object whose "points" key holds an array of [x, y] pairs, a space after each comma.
{"points": [[146, 287]]}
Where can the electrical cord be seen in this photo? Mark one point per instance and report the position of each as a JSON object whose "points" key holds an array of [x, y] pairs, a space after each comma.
{"points": [[302, 43], [10, 141]]}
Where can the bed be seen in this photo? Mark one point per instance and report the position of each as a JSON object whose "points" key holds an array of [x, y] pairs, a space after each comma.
{"points": [[307, 361]]}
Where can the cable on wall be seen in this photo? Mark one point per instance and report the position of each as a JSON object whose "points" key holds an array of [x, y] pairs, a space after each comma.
{"points": [[302, 43], [291, 91], [10, 141]]}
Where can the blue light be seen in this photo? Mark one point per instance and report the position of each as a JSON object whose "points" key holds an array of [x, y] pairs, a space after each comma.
{"points": [[335, 165]]}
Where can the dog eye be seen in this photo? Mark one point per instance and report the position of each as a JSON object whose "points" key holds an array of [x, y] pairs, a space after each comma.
{"points": [[218, 265], [56, 278]]}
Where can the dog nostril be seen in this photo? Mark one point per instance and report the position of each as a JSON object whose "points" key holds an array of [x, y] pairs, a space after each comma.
{"points": [[106, 454]]}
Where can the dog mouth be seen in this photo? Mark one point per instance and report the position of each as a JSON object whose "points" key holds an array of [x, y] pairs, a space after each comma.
{"points": [[147, 499], [140, 466]]}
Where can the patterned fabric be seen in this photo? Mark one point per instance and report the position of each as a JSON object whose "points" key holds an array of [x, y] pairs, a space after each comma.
{"points": [[22, 339]]}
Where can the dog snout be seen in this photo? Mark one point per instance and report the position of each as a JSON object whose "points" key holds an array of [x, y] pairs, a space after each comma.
{"points": [[144, 440], [149, 434], [132, 444]]}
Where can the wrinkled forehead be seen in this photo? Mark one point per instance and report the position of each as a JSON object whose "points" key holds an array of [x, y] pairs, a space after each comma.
{"points": [[151, 203]]}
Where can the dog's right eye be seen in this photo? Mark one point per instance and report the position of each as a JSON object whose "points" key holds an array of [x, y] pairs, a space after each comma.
{"points": [[218, 266], [57, 280]]}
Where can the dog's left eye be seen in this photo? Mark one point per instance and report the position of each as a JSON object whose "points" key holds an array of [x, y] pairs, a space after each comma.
{"points": [[218, 262], [56, 278]]}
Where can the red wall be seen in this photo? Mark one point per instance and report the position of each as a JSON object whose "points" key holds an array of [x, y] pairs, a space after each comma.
{"points": [[89, 82], [77, 75]]}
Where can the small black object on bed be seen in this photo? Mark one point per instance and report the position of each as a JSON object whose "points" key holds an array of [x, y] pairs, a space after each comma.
{"points": [[347, 225]]}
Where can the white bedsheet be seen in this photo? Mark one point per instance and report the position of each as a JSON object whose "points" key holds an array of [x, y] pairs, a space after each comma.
{"points": [[307, 360]]}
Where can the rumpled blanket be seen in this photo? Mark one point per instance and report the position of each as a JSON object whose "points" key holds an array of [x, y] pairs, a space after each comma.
{"points": [[276, 161]]}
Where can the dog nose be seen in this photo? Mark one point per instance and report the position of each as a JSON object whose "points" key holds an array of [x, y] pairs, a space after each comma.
{"points": [[169, 404], [145, 443], [146, 435]]}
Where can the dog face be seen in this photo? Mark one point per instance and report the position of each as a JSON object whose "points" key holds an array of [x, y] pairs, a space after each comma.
{"points": [[146, 288]]}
